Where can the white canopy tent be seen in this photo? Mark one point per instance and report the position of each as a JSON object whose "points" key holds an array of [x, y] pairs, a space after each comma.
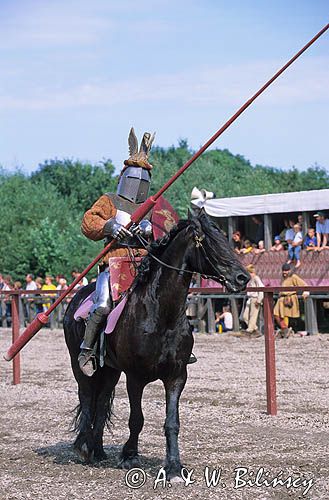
{"points": [[300, 201]]}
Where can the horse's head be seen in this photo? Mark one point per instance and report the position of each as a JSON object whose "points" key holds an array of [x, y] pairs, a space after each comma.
{"points": [[211, 255]]}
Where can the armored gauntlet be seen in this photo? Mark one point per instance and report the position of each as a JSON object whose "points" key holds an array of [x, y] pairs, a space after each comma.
{"points": [[116, 230], [144, 228]]}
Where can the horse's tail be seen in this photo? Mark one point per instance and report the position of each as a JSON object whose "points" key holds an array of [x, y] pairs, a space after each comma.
{"points": [[109, 410], [77, 422]]}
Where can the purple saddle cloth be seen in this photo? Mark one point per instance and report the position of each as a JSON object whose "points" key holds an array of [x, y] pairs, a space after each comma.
{"points": [[112, 319]]}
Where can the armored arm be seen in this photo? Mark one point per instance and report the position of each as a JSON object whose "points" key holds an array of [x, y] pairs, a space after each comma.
{"points": [[115, 230]]}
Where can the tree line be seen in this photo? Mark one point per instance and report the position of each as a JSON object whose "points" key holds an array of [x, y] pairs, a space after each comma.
{"points": [[40, 213]]}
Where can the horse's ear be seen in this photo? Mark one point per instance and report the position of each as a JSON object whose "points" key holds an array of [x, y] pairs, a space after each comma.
{"points": [[189, 215]]}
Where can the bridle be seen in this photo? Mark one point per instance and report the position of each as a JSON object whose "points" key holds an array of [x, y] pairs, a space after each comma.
{"points": [[181, 270]]}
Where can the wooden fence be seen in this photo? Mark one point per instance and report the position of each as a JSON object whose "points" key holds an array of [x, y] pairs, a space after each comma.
{"points": [[207, 294]]}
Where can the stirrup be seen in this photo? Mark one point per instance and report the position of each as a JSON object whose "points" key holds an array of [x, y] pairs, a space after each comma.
{"points": [[87, 362], [192, 359]]}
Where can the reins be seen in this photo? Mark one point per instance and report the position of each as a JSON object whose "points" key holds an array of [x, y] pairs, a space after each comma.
{"points": [[181, 270]]}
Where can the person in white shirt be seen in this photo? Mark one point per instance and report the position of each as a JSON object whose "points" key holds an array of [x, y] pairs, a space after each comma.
{"points": [[30, 283], [295, 247], [28, 298], [225, 320]]}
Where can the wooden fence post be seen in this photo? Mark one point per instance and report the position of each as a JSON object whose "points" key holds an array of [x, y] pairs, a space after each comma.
{"points": [[15, 334], [270, 354]]}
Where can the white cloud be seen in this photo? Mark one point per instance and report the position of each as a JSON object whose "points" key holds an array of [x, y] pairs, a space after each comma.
{"points": [[45, 25], [306, 81]]}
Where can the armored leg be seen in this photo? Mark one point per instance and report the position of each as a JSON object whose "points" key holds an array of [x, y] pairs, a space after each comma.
{"points": [[98, 315]]}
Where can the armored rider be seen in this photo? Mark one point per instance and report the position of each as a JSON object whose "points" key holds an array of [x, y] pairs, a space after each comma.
{"points": [[106, 219]]}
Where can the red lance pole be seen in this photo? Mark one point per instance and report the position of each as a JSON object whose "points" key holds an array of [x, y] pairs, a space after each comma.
{"points": [[42, 318]]}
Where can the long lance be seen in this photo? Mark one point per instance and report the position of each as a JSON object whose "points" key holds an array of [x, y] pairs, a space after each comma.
{"points": [[42, 318]]}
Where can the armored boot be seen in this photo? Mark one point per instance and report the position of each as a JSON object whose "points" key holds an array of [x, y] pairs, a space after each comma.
{"points": [[87, 360]]}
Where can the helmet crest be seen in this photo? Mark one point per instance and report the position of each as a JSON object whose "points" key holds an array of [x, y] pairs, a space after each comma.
{"points": [[139, 158]]}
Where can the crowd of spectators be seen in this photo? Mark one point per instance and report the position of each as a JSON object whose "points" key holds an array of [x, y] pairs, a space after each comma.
{"points": [[286, 311], [33, 304], [293, 238]]}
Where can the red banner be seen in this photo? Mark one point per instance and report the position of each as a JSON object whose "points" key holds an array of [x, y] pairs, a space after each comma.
{"points": [[122, 273], [163, 218]]}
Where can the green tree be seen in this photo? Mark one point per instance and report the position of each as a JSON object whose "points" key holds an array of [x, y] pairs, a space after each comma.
{"points": [[79, 183], [40, 230]]}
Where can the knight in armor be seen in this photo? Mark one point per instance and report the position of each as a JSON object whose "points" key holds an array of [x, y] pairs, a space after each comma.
{"points": [[107, 219]]}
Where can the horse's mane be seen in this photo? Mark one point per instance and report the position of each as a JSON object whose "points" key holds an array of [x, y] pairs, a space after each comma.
{"points": [[215, 243], [157, 248]]}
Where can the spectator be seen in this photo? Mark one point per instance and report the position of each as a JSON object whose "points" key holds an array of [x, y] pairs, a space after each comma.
{"points": [[300, 221], [39, 282], [294, 248], [260, 228], [287, 305], [30, 283], [253, 304], [260, 249], [283, 231], [289, 233], [247, 247], [8, 283], [237, 242], [48, 285], [277, 247], [322, 230], [224, 321], [37, 299], [18, 285], [75, 273], [28, 299], [310, 241], [62, 282], [7, 286], [62, 285]]}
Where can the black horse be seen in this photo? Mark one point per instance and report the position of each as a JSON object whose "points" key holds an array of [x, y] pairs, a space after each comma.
{"points": [[152, 339]]}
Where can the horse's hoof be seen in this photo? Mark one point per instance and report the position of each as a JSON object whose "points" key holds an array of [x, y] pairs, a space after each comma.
{"points": [[174, 473], [84, 453], [100, 456], [130, 463]]}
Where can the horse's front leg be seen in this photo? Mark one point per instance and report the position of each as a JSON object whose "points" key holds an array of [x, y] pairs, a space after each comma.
{"points": [[174, 388], [129, 454]]}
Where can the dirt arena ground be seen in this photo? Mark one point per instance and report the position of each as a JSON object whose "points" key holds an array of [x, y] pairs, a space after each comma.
{"points": [[224, 426]]}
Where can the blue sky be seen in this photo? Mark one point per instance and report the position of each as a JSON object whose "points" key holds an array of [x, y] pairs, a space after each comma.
{"points": [[76, 75]]}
